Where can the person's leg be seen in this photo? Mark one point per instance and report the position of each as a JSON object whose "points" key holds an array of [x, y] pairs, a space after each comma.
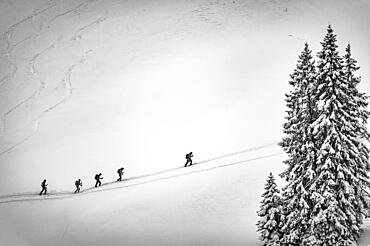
{"points": [[191, 162], [45, 191], [187, 161], [96, 183], [41, 191]]}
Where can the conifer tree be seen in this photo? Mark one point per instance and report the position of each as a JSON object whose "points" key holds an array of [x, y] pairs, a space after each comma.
{"points": [[298, 144], [360, 116], [359, 110], [300, 106], [270, 212], [333, 189]]}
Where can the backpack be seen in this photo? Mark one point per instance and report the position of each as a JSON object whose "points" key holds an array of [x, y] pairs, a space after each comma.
{"points": [[77, 183], [96, 176]]}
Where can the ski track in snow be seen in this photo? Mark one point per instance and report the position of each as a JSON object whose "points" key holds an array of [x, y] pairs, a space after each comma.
{"points": [[9, 76], [23, 197], [66, 82], [21, 142], [204, 13], [10, 31], [2, 126], [78, 35], [75, 10], [64, 233]]}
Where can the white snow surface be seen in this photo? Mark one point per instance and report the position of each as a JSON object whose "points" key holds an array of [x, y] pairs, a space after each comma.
{"points": [[212, 203], [88, 86]]}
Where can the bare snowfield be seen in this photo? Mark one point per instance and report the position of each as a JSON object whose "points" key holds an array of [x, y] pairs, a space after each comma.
{"points": [[87, 86]]}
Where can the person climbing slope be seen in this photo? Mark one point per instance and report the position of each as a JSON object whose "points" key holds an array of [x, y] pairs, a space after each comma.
{"points": [[78, 185], [188, 159], [43, 186], [120, 173], [98, 177]]}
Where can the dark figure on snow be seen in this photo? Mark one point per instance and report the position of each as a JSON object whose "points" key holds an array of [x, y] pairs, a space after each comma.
{"points": [[120, 173], [78, 185], [98, 177], [43, 186], [188, 159]]}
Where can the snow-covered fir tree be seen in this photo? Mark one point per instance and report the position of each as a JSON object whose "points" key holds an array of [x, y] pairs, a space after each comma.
{"points": [[337, 180], [300, 106], [360, 116], [298, 144], [270, 212], [359, 110]]}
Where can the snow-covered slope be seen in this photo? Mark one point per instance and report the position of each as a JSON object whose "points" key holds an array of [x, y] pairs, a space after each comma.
{"points": [[212, 203], [87, 86]]}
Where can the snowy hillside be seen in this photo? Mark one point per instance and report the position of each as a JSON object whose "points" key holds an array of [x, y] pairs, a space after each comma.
{"points": [[212, 203], [87, 86]]}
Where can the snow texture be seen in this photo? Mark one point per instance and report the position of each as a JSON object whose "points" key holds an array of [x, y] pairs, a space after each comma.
{"points": [[87, 86]]}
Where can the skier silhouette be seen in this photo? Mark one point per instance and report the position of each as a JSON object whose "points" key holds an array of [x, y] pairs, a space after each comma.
{"points": [[43, 186], [188, 159], [78, 184], [98, 178], [120, 173]]}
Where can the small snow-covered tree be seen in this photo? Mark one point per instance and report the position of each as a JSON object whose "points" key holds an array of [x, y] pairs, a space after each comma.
{"points": [[299, 145], [333, 188], [270, 212]]}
